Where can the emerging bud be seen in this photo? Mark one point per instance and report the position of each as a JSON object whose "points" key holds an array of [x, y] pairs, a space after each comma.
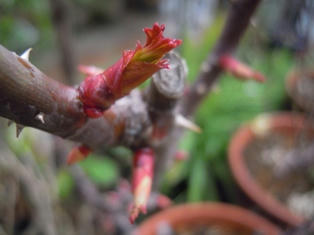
{"points": [[239, 70], [181, 155], [98, 92], [143, 168], [89, 70], [77, 154]]}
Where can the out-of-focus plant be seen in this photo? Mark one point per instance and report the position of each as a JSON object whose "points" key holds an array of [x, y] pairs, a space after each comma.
{"points": [[232, 103], [25, 24]]}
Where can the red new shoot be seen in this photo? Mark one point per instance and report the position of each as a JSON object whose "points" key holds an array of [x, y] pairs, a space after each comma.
{"points": [[98, 92], [239, 70], [143, 170]]}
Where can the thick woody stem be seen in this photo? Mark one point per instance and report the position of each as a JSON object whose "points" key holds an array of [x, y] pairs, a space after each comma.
{"points": [[26, 92], [238, 19], [165, 90]]}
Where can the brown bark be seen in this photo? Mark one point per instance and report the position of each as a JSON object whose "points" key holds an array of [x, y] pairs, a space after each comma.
{"points": [[25, 92]]}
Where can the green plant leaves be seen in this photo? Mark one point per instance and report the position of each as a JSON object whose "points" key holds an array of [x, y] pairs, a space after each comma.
{"points": [[101, 170], [65, 184]]}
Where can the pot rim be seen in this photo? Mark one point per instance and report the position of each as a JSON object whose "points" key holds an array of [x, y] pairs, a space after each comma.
{"points": [[270, 122], [207, 214]]}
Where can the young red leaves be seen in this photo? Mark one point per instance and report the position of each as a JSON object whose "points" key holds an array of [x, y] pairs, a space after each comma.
{"points": [[98, 92], [77, 154], [143, 170], [239, 70]]}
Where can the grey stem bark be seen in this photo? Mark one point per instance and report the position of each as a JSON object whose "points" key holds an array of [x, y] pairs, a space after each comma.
{"points": [[163, 95]]}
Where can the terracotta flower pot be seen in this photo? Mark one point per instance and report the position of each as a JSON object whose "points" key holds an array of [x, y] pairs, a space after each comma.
{"points": [[300, 87], [285, 124], [188, 217]]}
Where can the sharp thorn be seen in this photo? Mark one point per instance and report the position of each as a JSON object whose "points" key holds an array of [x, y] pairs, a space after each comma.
{"points": [[40, 117], [185, 123], [26, 53], [19, 129], [10, 123]]}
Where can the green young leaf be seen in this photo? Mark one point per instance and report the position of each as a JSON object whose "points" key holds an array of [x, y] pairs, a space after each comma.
{"points": [[201, 183], [100, 169], [65, 184]]}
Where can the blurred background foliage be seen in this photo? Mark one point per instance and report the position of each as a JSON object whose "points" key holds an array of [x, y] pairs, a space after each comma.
{"points": [[205, 176], [25, 24]]}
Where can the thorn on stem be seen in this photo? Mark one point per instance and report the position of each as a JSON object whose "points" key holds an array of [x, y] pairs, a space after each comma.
{"points": [[19, 129], [40, 117], [185, 123], [26, 54]]}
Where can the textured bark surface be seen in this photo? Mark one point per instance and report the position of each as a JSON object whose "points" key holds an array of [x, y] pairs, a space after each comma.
{"points": [[26, 92], [163, 95]]}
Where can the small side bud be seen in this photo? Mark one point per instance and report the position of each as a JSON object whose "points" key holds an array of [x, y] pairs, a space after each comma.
{"points": [[143, 167], [239, 70], [181, 155], [78, 154], [89, 70]]}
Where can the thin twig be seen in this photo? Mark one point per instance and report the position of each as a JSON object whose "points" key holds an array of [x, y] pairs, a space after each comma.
{"points": [[37, 190], [62, 21], [237, 21]]}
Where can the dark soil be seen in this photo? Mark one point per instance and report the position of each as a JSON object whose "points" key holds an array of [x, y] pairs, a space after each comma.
{"points": [[303, 92], [266, 157]]}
